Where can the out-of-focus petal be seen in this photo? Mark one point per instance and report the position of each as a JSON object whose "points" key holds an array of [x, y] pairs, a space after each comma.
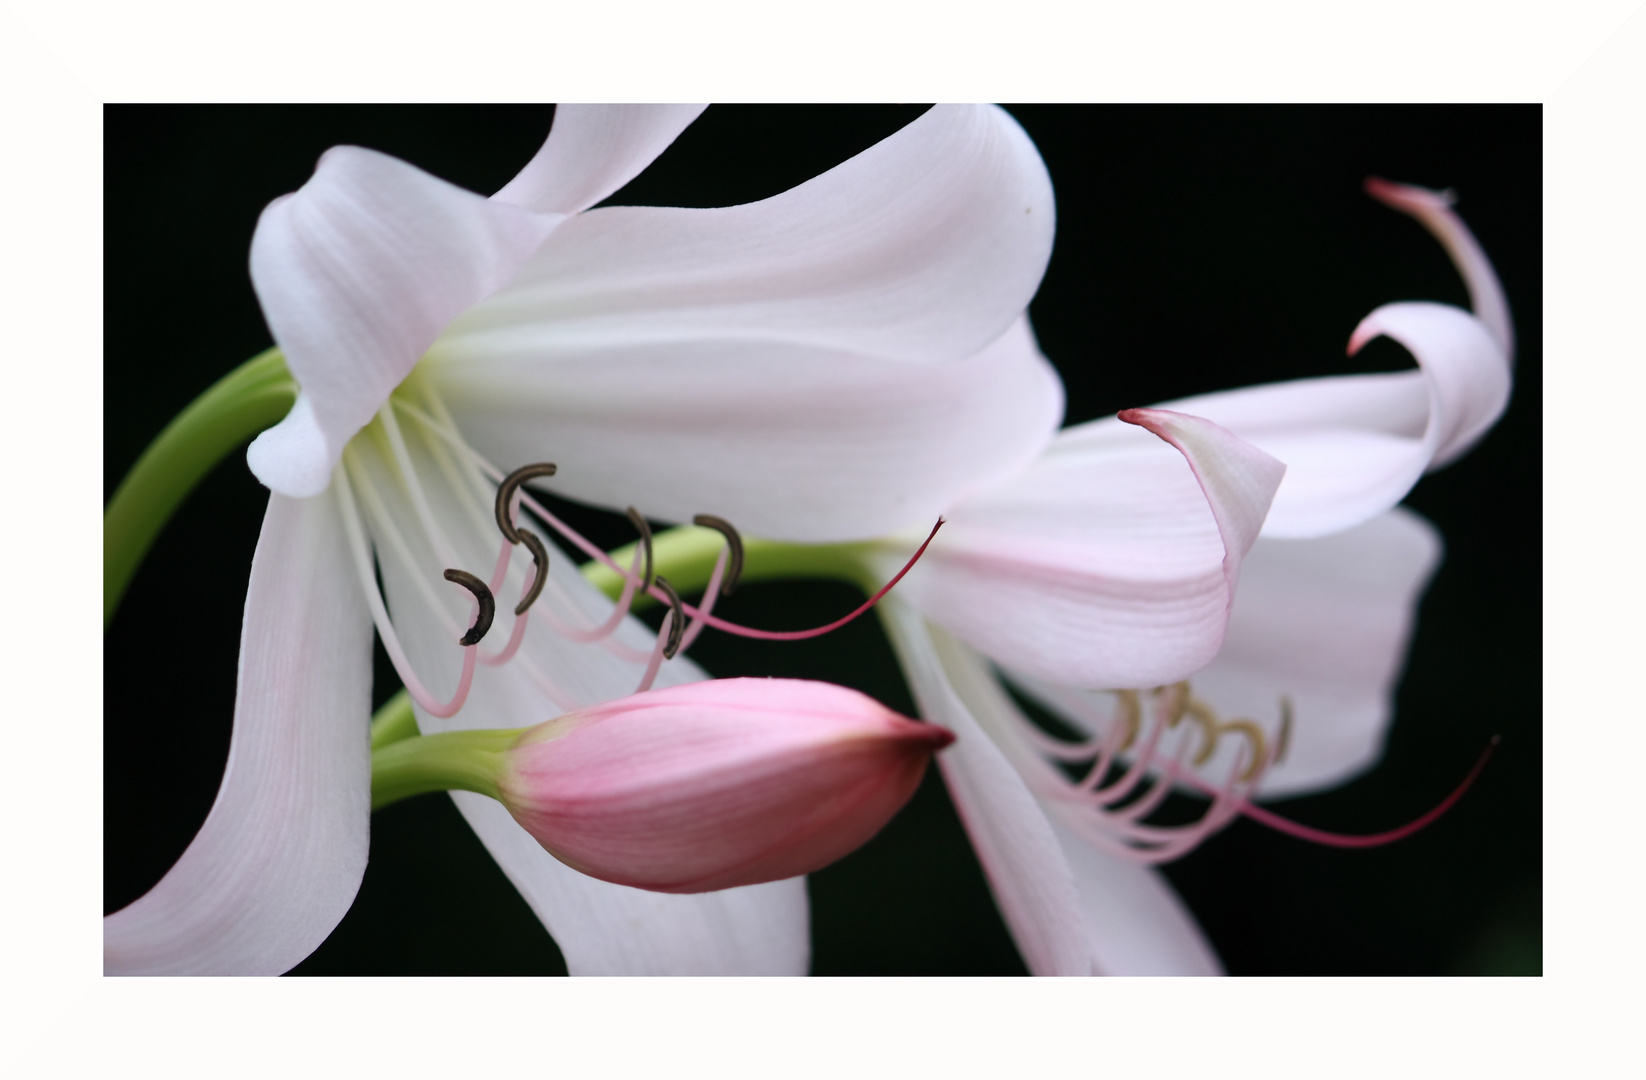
{"points": [[1107, 562], [357, 273], [601, 928], [1025, 865], [1136, 922], [1433, 209], [924, 247], [1324, 622], [280, 857], [1354, 445], [789, 442], [593, 150]]}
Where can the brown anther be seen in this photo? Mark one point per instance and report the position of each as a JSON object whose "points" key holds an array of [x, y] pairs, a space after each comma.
{"points": [[677, 623], [1284, 741], [734, 544], [505, 495], [540, 560], [488, 606], [1131, 714], [645, 531], [1254, 735]]}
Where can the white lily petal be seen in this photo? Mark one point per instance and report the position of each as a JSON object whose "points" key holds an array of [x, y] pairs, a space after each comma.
{"points": [[1025, 866], [789, 442], [600, 928], [280, 857], [357, 272], [1433, 209], [1104, 563], [1324, 622], [1354, 445], [1137, 923], [924, 247], [593, 150]]}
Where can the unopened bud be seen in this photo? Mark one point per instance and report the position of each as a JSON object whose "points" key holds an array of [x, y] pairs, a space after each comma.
{"points": [[715, 784]]}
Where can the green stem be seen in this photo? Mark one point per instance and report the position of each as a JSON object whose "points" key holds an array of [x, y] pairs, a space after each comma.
{"points": [[393, 722], [452, 761], [685, 555], [250, 398]]}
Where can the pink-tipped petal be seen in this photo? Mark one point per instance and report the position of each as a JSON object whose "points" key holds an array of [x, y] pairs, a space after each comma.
{"points": [[280, 857], [357, 273], [925, 247], [1110, 561], [1026, 868], [790, 442], [593, 150], [1433, 210], [716, 784], [1323, 623]]}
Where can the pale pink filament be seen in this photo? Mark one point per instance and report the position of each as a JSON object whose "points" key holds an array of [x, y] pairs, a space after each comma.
{"points": [[518, 632], [656, 661]]}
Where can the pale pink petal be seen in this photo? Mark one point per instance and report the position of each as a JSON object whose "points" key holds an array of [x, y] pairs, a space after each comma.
{"points": [[1433, 209], [593, 150], [357, 273], [1136, 922], [1027, 871], [601, 929], [280, 857], [1323, 622], [787, 442], [1354, 445], [924, 247], [1110, 561]]}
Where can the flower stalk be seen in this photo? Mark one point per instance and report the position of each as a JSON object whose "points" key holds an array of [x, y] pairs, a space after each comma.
{"points": [[242, 403], [450, 761]]}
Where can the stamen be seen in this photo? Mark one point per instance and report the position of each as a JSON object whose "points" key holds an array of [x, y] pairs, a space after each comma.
{"points": [[1284, 741], [483, 596], [540, 569], [677, 625], [645, 530], [505, 494], [734, 543]]}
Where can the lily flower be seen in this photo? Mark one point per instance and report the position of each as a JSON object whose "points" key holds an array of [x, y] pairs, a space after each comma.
{"points": [[823, 365], [1094, 583]]}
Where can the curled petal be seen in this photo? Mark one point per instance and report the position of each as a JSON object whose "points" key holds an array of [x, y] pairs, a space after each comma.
{"points": [[1433, 209], [924, 247], [357, 272], [1354, 445], [280, 857], [790, 442], [1026, 868], [593, 150], [1110, 561], [1323, 623]]}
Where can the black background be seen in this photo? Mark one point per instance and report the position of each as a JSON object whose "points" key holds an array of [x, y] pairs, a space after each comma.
{"points": [[1197, 249]]}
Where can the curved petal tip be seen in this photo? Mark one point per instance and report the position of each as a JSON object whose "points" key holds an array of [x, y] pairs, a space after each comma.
{"points": [[293, 457]]}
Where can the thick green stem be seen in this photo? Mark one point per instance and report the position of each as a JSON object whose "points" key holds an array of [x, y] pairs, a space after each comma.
{"points": [[452, 761], [686, 554], [252, 397], [393, 722]]}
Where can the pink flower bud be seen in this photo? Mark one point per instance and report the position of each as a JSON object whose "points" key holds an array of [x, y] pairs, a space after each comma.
{"points": [[715, 784]]}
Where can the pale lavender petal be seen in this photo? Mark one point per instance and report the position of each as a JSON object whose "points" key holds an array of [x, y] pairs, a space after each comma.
{"points": [[357, 272], [1025, 865], [924, 247], [788, 442], [280, 857], [601, 929], [593, 150], [1107, 562], [1136, 921]]}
